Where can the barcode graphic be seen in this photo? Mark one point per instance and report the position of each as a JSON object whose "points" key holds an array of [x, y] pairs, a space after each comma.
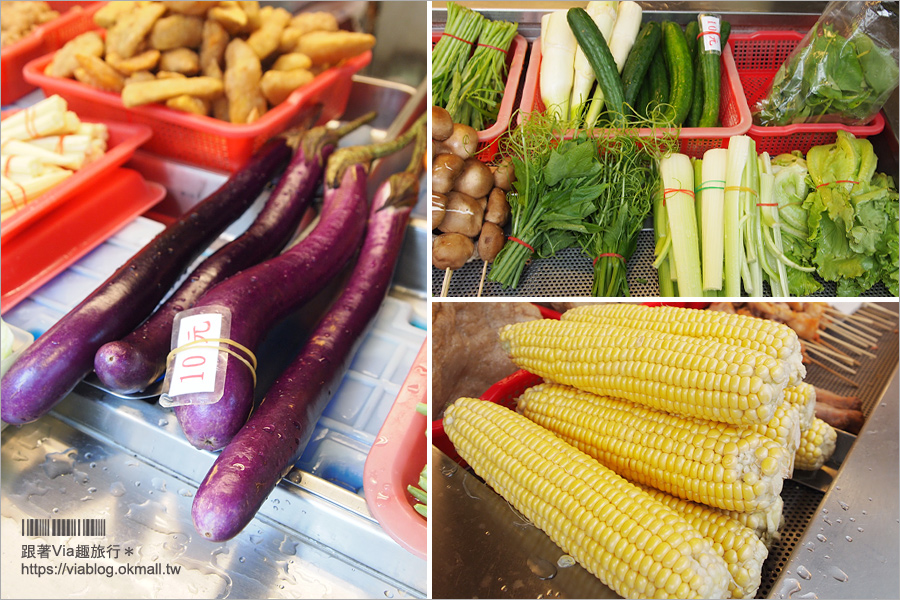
{"points": [[63, 527]]}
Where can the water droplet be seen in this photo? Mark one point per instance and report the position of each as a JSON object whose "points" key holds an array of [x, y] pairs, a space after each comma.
{"points": [[808, 596], [824, 511], [239, 466], [821, 538], [860, 529], [864, 512], [838, 521], [186, 492], [542, 568], [93, 465], [55, 510], [117, 489], [137, 484], [804, 572], [852, 519], [844, 505], [388, 594], [837, 574], [565, 561], [848, 538], [827, 521], [810, 546], [92, 490], [59, 463], [162, 422], [242, 559], [790, 587], [870, 498]]}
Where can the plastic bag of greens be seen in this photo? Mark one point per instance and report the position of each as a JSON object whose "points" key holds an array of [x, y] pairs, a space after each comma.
{"points": [[842, 71]]}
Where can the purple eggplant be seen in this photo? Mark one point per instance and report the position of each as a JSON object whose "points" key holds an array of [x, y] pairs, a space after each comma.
{"points": [[52, 366], [137, 360], [272, 440]]}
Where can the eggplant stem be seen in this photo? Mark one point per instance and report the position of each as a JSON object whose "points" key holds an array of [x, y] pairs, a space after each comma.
{"points": [[352, 155]]}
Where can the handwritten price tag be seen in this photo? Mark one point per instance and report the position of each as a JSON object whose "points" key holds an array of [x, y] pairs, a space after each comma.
{"points": [[195, 375], [710, 33]]}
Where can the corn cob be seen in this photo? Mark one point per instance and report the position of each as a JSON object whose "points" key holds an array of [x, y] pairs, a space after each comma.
{"points": [[816, 446], [711, 463], [803, 396], [784, 428], [636, 546], [742, 549], [765, 523], [775, 339], [692, 377]]}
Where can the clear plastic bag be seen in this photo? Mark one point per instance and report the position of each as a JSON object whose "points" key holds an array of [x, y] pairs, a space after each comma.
{"points": [[842, 71]]}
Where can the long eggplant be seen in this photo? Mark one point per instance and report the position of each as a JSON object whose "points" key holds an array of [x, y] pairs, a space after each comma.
{"points": [[134, 362], [262, 295], [52, 366], [255, 460]]}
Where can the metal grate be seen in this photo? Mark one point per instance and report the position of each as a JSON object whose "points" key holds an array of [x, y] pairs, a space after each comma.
{"points": [[800, 504], [569, 273]]}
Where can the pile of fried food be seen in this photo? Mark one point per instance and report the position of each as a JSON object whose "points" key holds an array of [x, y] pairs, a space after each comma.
{"points": [[41, 147], [229, 60], [18, 19]]}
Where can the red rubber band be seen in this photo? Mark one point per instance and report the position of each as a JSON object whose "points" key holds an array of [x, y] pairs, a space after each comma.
{"points": [[456, 38], [24, 195], [518, 241], [619, 256], [11, 199], [715, 33], [59, 145], [767, 204], [667, 191], [6, 167], [838, 181], [494, 48]]}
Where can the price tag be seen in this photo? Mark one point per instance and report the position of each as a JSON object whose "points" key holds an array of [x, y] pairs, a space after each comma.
{"points": [[710, 33], [196, 372]]}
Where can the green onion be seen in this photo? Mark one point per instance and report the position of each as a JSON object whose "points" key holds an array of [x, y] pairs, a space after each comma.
{"points": [[449, 56]]}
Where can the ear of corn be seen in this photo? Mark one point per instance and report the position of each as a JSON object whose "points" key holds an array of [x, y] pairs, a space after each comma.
{"points": [[635, 545], [816, 446], [775, 339], [803, 396], [784, 428], [742, 549], [711, 463], [764, 523], [694, 377]]}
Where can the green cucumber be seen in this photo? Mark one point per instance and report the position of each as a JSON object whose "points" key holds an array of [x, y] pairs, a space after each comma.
{"points": [[693, 118], [710, 74], [690, 36], [639, 59], [657, 81], [643, 98], [597, 52], [681, 72]]}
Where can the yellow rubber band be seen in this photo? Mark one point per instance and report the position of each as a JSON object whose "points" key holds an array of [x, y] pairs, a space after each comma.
{"points": [[741, 188], [204, 343]]}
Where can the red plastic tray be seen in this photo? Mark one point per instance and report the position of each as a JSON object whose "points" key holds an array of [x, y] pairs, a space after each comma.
{"points": [[395, 461], [124, 138], [198, 139], [734, 113], [515, 60], [758, 56], [46, 38], [71, 231]]}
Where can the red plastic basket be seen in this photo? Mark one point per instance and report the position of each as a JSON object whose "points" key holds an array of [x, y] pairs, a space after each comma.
{"points": [[198, 139], [734, 113], [75, 18], [515, 60], [758, 56]]}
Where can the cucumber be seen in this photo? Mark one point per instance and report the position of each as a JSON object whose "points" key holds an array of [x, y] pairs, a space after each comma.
{"points": [[690, 36], [643, 98], [693, 118], [681, 72], [639, 59], [709, 72], [597, 52], [657, 81]]}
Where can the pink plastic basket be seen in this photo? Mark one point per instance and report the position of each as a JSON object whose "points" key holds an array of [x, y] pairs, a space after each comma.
{"points": [[758, 56], [515, 59], [198, 139], [734, 113], [74, 19], [397, 458]]}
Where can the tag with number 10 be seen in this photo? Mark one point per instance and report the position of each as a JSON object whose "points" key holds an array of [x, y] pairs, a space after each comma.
{"points": [[196, 373]]}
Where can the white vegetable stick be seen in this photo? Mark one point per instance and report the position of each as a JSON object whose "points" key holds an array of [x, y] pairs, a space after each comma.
{"points": [[604, 15], [63, 144], [23, 165], [52, 105], [70, 160], [558, 46], [18, 194]]}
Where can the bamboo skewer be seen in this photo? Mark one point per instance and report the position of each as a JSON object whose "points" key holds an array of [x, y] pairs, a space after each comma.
{"points": [[832, 371], [824, 356], [873, 320], [483, 275], [867, 324], [853, 335], [837, 350], [446, 286], [839, 355], [882, 309], [881, 320], [838, 340]]}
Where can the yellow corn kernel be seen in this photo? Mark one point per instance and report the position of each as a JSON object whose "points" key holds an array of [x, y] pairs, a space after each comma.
{"points": [[632, 439], [648, 367], [483, 431]]}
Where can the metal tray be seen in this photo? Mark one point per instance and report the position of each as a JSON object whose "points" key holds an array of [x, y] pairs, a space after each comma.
{"points": [[124, 461]]}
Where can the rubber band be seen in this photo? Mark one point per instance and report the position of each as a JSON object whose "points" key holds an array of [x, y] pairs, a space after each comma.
{"points": [[715, 33], [24, 195], [838, 181], [494, 48], [59, 145], [605, 254], [11, 199], [741, 188], [6, 167], [710, 187], [674, 190], [30, 127], [456, 38], [767, 204], [251, 363], [518, 241]]}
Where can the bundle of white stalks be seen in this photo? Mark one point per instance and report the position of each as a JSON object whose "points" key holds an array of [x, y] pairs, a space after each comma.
{"points": [[40, 147]]}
